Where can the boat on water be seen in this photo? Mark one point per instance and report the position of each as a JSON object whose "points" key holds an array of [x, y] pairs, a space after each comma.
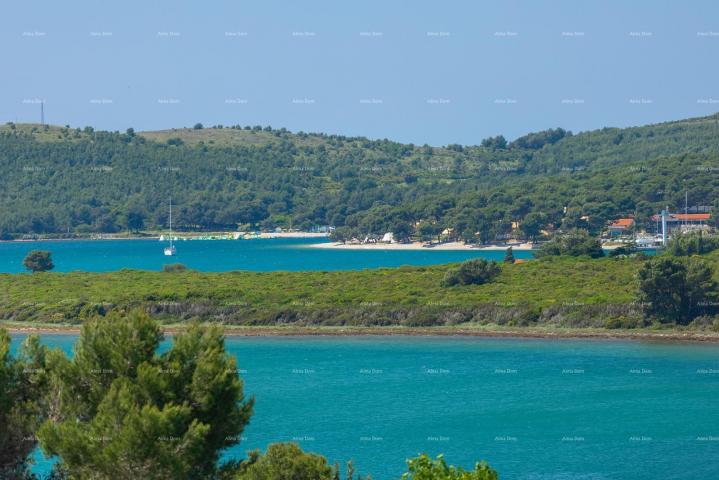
{"points": [[170, 250]]}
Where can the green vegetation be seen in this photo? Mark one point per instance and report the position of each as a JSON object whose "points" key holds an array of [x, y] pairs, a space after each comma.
{"points": [[509, 256], [555, 291], [23, 384], [545, 291], [678, 290], [119, 409], [285, 461], [624, 250], [58, 179], [471, 272], [38, 261], [424, 468], [574, 243], [174, 267], [695, 243]]}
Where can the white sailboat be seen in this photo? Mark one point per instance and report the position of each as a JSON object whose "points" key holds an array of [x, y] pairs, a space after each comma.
{"points": [[170, 251]]}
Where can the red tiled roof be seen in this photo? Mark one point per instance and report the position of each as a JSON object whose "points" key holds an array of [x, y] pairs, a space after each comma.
{"points": [[692, 216], [680, 217], [622, 223]]}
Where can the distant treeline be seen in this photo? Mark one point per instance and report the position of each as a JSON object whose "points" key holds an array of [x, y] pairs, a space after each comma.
{"points": [[58, 180]]}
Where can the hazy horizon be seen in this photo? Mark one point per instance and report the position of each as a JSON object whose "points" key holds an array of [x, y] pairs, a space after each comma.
{"points": [[419, 72]]}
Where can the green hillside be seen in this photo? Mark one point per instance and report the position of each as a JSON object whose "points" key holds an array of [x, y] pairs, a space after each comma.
{"points": [[58, 180]]}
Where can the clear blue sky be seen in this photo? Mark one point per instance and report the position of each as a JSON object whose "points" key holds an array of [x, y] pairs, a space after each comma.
{"points": [[434, 72]]}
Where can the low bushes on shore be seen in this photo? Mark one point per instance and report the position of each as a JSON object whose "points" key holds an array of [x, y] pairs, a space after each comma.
{"points": [[557, 291]]}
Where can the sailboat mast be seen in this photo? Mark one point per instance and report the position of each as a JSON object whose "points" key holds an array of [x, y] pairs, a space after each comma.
{"points": [[170, 222]]}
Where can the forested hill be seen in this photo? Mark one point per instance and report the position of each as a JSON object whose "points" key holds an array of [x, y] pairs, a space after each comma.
{"points": [[56, 179]]}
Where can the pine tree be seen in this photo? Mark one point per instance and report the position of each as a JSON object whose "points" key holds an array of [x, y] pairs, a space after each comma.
{"points": [[121, 410]]}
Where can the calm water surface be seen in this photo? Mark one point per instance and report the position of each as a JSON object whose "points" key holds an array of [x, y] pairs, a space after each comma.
{"points": [[536, 409], [221, 255]]}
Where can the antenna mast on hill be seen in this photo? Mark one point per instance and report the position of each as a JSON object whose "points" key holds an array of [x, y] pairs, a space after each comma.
{"points": [[42, 113]]}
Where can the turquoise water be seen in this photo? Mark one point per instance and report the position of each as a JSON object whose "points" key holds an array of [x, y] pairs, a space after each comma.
{"points": [[222, 255], [535, 409]]}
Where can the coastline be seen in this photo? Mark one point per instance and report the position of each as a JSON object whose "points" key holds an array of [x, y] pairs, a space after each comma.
{"points": [[156, 236], [476, 331], [419, 246]]}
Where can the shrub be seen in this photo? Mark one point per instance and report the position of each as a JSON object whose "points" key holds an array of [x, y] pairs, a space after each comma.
{"points": [[285, 461], [509, 256], [472, 272], [424, 468], [624, 251], [174, 267], [38, 261]]}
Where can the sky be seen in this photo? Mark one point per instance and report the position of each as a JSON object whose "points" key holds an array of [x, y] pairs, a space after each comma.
{"points": [[435, 72]]}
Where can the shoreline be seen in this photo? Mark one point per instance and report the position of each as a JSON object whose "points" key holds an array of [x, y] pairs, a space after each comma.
{"points": [[420, 246], [156, 237], [395, 331]]}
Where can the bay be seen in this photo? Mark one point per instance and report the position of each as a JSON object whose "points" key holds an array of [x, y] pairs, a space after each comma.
{"points": [[261, 255], [535, 409]]}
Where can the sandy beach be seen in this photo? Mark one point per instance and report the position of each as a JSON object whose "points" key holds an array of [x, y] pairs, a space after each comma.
{"points": [[418, 246]]}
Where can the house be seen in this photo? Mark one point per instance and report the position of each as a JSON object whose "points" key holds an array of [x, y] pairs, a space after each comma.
{"points": [[620, 226], [680, 220]]}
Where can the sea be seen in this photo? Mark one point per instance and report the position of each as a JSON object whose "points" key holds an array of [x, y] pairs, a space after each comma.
{"points": [[535, 409], [262, 255]]}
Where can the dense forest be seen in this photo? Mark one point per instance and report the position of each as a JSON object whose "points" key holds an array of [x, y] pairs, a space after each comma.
{"points": [[58, 180]]}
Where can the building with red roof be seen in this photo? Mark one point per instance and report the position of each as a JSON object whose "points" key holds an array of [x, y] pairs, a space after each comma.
{"points": [[620, 226]]}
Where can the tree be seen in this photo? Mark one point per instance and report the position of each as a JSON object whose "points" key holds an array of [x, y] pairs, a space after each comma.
{"points": [[38, 261], [285, 461], [537, 140], [424, 468], [135, 220], [509, 256], [626, 250], [428, 230], [575, 243], [197, 126], [532, 225], [695, 243], [495, 143], [401, 231], [121, 410], [677, 290], [5, 233], [23, 383], [472, 272], [341, 234]]}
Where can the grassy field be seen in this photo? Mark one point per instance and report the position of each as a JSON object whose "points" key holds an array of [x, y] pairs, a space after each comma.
{"points": [[557, 291]]}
